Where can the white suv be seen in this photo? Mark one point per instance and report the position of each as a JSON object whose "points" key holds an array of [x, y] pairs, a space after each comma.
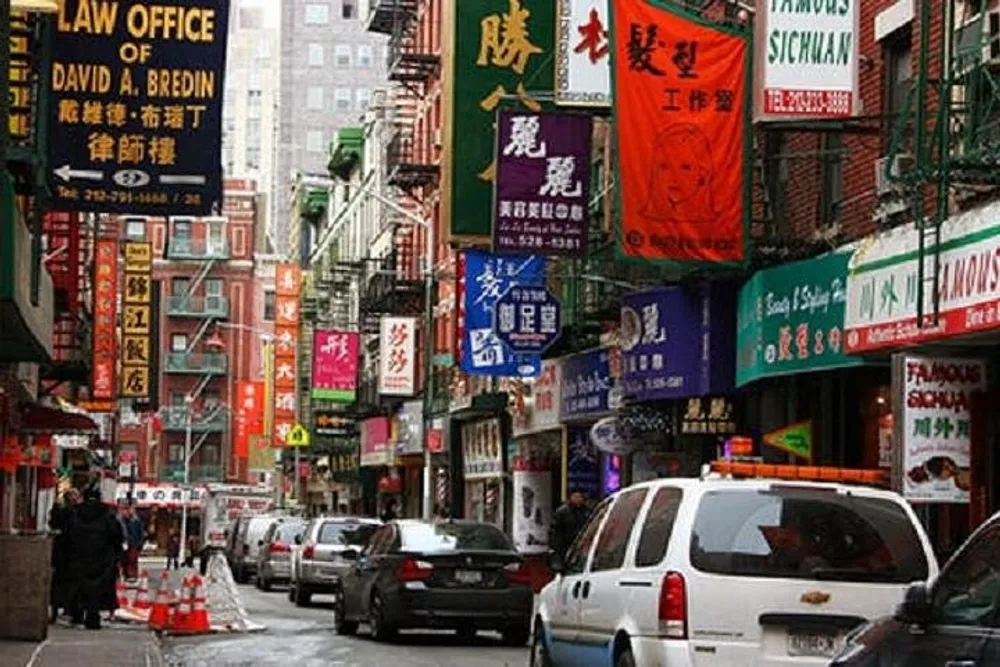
{"points": [[688, 572]]}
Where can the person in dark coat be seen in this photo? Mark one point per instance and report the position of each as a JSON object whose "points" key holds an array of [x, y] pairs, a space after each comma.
{"points": [[95, 550], [567, 522], [389, 512], [59, 519]]}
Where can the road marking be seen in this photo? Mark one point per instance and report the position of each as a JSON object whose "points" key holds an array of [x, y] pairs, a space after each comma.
{"points": [[37, 652]]}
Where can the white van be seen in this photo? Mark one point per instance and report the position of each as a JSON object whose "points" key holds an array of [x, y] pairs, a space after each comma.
{"points": [[248, 537], [724, 572]]}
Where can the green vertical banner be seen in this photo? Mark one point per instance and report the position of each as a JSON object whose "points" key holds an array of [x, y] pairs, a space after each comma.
{"points": [[502, 55]]}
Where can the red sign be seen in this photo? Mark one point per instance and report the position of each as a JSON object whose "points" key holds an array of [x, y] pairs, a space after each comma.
{"points": [[680, 92], [103, 385], [288, 282], [249, 415]]}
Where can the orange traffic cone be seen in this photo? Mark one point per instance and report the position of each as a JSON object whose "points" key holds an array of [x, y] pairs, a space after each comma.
{"points": [[198, 623], [182, 617], [142, 596], [122, 594], [159, 616]]}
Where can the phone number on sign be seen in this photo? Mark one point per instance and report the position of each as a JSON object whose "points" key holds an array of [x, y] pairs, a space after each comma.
{"points": [[102, 196], [809, 102]]}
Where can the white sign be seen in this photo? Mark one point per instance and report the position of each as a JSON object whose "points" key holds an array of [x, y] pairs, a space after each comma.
{"points": [[532, 510], [542, 401], [883, 284], [809, 59], [936, 400], [583, 56], [397, 356], [482, 449]]}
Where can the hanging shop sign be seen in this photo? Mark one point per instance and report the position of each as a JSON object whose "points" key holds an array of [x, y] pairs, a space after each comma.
{"points": [[682, 131], [583, 472], [883, 284], [808, 59], [375, 447], [136, 108], [397, 356], [677, 342], [288, 286], [609, 436], [528, 320], [933, 397], [587, 388], [532, 508], [542, 184], [408, 428], [249, 415], [791, 319], [335, 365], [495, 50], [483, 278], [137, 320], [261, 456], [482, 449], [583, 53], [105, 356], [333, 424], [23, 76], [542, 401], [344, 464], [795, 439], [708, 415]]}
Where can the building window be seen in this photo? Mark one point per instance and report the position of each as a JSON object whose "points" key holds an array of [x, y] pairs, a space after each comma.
{"points": [[177, 399], [342, 98], [362, 97], [175, 453], [239, 242], [253, 159], [317, 14], [364, 55], [348, 9], [314, 98], [179, 286], [832, 193], [776, 177], [897, 56], [254, 81], [342, 55], [182, 231], [209, 454], [253, 132], [135, 230], [214, 287], [315, 55], [216, 236], [178, 342], [314, 141], [269, 306], [253, 104]]}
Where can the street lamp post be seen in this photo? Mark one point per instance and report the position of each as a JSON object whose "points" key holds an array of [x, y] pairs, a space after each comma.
{"points": [[188, 401]]}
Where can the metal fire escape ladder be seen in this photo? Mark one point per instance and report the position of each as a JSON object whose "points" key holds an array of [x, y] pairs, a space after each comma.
{"points": [[199, 277]]}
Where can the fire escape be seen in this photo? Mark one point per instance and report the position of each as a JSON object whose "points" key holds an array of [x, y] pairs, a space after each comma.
{"points": [[203, 244]]}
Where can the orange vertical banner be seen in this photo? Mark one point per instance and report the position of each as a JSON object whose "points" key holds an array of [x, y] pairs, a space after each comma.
{"points": [[288, 284], [249, 415], [682, 121]]}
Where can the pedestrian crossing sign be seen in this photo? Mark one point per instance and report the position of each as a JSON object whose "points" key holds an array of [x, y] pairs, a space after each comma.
{"points": [[297, 437]]}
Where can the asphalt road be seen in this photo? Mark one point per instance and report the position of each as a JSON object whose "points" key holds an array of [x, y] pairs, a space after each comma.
{"points": [[304, 637]]}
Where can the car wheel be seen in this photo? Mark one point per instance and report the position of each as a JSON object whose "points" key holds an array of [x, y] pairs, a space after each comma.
{"points": [[381, 631], [302, 596], [539, 652], [291, 592], [341, 625], [516, 636], [625, 658]]}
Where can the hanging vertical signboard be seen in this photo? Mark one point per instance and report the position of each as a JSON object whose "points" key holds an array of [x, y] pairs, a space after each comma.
{"points": [[397, 356], [335, 365], [105, 360], [682, 125], [137, 320], [583, 53], [288, 283]]}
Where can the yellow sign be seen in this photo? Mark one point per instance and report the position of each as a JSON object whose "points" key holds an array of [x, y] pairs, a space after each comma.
{"points": [[137, 316], [135, 350], [135, 320], [297, 437], [138, 257], [135, 382], [138, 288]]}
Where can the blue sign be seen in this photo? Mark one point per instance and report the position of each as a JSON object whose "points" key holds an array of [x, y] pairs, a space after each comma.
{"points": [[583, 471], [528, 319], [484, 279], [587, 384]]}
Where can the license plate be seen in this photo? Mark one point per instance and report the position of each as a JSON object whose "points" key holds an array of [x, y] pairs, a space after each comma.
{"points": [[812, 644], [468, 576]]}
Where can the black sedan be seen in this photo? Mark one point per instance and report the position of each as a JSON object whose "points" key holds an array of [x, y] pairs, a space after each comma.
{"points": [[457, 575]]}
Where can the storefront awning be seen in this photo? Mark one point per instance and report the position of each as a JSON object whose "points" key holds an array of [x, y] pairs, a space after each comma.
{"points": [[41, 419], [44, 6]]}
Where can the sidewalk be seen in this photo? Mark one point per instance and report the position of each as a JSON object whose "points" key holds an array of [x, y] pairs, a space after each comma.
{"points": [[120, 646]]}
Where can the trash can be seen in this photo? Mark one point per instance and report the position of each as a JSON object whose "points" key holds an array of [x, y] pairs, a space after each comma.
{"points": [[25, 580]]}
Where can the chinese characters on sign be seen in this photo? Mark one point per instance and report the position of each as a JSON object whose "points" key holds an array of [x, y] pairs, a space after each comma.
{"points": [[936, 444], [502, 48], [397, 356], [483, 279], [335, 365], [680, 119], [137, 317], [583, 58], [810, 64], [528, 319], [23, 74], [333, 424], [103, 385], [288, 284], [542, 182], [711, 415], [136, 105], [544, 394], [249, 415]]}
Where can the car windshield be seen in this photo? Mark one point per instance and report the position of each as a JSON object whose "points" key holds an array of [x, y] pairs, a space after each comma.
{"points": [[346, 534], [444, 537], [802, 533], [287, 532]]}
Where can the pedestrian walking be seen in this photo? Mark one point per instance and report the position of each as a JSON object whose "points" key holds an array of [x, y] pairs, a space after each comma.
{"points": [[193, 548], [59, 519], [94, 547], [567, 522], [173, 550], [135, 538]]}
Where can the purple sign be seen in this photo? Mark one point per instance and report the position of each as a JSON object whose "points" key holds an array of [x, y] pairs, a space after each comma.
{"points": [[678, 342], [542, 184]]}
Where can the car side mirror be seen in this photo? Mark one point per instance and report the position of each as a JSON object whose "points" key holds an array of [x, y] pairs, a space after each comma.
{"points": [[916, 607], [350, 554]]}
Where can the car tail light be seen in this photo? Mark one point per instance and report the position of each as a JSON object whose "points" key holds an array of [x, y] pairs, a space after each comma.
{"points": [[673, 606], [518, 574], [308, 551], [412, 569], [279, 547]]}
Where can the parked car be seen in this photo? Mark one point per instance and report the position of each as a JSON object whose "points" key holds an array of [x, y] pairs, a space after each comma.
{"points": [[274, 559], [318, 565], [248, 532], [951, 621], [704, 572], [458, 575]]}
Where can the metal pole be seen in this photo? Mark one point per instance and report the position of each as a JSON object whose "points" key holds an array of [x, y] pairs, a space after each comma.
{"points": [[185, 489], [4, 85], [428, 368]]}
